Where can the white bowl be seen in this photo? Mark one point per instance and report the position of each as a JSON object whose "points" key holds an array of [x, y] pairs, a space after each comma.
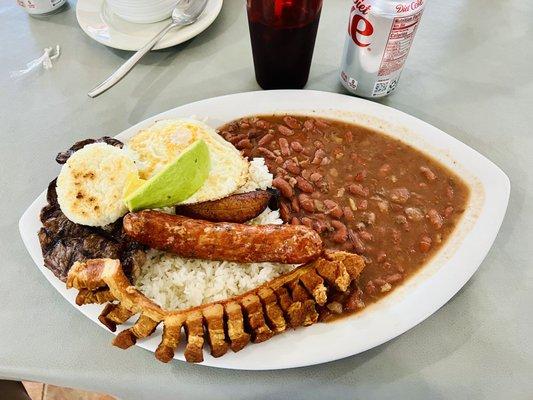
{"points": [[142, 11]]}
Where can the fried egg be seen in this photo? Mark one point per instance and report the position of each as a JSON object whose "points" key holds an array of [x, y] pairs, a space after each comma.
{"points": [[91, 182], [158, 145]]}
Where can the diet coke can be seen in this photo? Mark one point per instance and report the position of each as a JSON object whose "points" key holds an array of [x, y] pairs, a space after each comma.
{"points": [[380, 34]]}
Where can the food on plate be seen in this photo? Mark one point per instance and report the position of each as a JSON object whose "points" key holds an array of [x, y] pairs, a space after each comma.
{"points": [[156, 146], [91, 182], [362, 190], [224, 241], [240, 207], [291, 300], [63, 242], [172, 184], [290, 220]]}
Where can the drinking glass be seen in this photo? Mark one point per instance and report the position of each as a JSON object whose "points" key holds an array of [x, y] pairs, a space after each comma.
{"points": [[283, 35]]}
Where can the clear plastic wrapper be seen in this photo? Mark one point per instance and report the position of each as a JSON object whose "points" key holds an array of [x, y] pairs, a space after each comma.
{"points": [[44, 61]]}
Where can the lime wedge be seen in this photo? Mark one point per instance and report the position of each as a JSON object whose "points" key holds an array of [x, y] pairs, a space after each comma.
{"points": [[175, 183]]}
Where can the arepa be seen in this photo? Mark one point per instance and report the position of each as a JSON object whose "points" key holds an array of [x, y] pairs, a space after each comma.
{"points": [[90, 184]]}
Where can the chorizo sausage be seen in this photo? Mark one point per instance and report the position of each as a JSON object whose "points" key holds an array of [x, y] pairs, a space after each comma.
{"points": [[223, 241]]}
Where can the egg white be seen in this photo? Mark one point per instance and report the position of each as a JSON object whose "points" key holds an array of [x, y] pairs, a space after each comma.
{"points": [[159, 144]]}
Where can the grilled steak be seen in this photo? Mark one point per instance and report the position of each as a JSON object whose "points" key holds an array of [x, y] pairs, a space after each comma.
{"points": [[64, 242], [64, 155]]}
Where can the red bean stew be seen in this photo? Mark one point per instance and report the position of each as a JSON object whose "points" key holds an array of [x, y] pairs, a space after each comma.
{"points": [[363, 191]]}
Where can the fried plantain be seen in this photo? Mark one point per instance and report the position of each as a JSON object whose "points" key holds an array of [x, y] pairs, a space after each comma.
{"points": [[237, 208]]}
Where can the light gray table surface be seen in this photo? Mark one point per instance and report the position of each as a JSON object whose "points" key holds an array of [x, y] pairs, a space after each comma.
{"points": [[470, 73]]}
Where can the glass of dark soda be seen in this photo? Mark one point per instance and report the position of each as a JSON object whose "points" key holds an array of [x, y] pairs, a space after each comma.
{"points": [[283, 35]]}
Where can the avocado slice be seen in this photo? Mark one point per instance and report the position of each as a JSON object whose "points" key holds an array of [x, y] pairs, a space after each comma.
{"points": [[175, 183]]}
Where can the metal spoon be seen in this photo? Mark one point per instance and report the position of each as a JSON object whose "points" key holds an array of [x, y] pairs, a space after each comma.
{"points": [[185, 13]]}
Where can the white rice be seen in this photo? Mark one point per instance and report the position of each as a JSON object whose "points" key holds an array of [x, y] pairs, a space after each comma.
{"points": [[259, 176], [175, 282]]}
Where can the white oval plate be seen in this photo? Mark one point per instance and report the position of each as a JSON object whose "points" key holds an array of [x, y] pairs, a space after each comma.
{"points": [[404, 308], [98, 22]]}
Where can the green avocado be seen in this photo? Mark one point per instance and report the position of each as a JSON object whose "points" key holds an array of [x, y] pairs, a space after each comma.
{"points": [[178, 181]]}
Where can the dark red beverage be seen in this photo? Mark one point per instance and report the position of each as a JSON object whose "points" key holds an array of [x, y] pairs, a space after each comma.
{"points": [[283, 36]]}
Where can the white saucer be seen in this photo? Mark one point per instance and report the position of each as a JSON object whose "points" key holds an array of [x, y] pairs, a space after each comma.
{"points": [[98, 21]]}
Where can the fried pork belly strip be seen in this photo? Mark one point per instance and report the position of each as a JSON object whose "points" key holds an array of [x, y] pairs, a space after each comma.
{"points": [[223, 241], [237, 208], [257, 315]]}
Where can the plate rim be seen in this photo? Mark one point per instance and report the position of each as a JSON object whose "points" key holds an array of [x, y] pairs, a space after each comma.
{"points": [[172, 38], [436, 303]]}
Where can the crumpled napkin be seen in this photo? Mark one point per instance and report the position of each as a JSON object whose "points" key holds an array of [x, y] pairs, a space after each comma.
{"points": [[44, 61]]}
